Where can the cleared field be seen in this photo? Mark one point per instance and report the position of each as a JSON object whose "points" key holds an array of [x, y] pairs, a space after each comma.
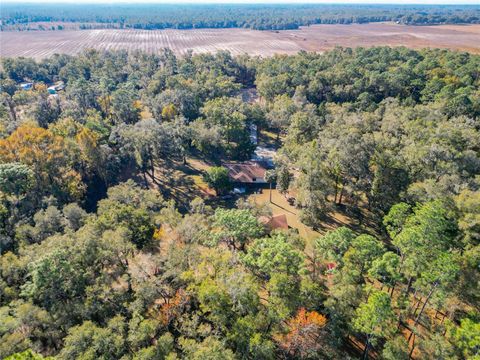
{"points": [[40, 44], [322, 37]]}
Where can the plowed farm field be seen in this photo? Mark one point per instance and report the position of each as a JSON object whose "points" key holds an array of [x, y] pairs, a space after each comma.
{"points": [[40, 44]]}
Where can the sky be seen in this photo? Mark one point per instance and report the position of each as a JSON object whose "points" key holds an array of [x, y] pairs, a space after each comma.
{"points": [[453, 2]]}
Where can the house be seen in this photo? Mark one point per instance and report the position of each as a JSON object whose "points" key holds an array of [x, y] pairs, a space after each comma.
{"points": [[27, 86], [275, 222], [247, 172]]}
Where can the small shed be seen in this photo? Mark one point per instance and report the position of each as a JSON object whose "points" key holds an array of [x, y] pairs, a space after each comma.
{"points": [[331, 268], [275, 222], [26, 86], [60, 85]]}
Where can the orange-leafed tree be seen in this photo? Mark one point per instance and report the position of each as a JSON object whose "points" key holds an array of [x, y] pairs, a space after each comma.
{"points": [[90, 152], [173, 307], [87, 141], [49, 158], [304, 333]]}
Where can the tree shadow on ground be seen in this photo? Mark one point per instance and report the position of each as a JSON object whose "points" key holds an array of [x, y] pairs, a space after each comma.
{"points": [[178, 181]]}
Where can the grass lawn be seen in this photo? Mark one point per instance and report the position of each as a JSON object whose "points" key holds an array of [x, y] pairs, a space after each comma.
{"points": [[269, 139], [280, 205], [183, 183]]}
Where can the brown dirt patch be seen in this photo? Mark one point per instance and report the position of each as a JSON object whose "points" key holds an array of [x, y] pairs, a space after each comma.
{"points": [[41, 44]]}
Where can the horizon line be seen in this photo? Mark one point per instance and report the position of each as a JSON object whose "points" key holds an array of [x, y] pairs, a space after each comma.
{"points": [[245, 2]]}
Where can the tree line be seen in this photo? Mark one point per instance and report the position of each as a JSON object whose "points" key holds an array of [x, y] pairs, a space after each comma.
{"points": [[96, 264], [254, 16]]}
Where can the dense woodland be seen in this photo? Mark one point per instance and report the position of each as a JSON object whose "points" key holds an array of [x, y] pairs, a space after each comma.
{"points": [[254, 16], [97, 263]]}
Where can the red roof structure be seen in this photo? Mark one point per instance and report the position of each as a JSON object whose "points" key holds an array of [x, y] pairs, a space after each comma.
{"points": [[331, 266], [275, 222], [247, 172]]}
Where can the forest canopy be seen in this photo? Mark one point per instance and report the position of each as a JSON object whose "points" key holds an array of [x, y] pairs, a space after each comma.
{"points": [[101, 259], [254, 16]]}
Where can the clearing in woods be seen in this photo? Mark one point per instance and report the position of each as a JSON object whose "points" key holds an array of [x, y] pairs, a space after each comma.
{"points": [[41, 44]]}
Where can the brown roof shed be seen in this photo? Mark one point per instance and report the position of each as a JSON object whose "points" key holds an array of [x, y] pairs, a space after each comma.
{"points": [[275, 222]]}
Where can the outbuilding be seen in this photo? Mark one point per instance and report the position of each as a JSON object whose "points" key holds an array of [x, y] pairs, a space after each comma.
{"points": [[27, 86], [277, 222]]}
